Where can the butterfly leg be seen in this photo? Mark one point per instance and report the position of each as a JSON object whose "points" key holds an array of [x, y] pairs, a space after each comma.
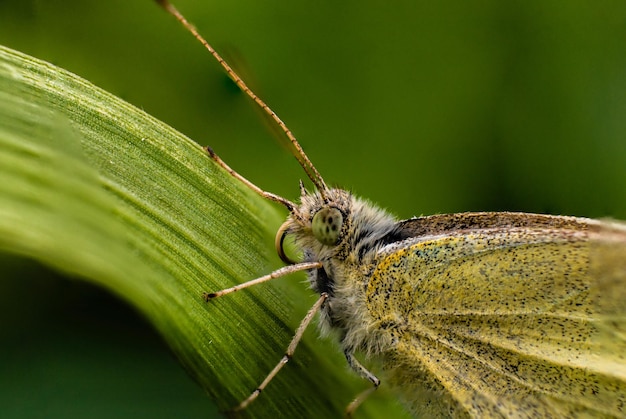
{"points": [[286, 270], [288, 354], [365, 373]]}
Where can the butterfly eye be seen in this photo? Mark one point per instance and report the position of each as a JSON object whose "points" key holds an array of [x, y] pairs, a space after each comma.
{"points": [[326, 225]]}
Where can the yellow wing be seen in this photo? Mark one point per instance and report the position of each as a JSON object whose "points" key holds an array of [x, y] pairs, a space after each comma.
{"points": [[506, 322]]}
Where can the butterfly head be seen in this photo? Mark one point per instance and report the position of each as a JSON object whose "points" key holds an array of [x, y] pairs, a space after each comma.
{"points": [[332, 224]]}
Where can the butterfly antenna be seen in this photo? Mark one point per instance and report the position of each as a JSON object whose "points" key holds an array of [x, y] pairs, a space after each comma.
{"points": [[301, 156]]}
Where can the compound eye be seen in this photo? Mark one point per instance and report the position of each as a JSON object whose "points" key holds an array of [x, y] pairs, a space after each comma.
{"points": [[326, 225]]}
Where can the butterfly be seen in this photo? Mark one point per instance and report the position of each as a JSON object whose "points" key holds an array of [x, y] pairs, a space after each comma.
{"points": [[473, 314]]}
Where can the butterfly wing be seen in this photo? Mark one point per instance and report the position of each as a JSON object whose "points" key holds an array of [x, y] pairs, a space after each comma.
{"points": [[505, 315]]}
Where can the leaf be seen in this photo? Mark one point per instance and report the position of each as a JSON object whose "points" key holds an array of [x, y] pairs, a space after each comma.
{"points": [[100, 190]]}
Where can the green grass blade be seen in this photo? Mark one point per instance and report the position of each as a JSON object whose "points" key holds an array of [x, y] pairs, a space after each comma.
{"points": [[98, 189]]}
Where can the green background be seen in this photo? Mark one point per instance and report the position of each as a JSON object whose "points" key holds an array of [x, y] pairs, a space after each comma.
{"points": [[422, 107]]}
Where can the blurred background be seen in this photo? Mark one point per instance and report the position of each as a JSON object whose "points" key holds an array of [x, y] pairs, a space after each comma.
{"points": [[422, 107]]}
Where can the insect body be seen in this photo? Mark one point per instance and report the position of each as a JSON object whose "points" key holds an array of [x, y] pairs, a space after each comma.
{"points": [[483, 314], [474, 314]]}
